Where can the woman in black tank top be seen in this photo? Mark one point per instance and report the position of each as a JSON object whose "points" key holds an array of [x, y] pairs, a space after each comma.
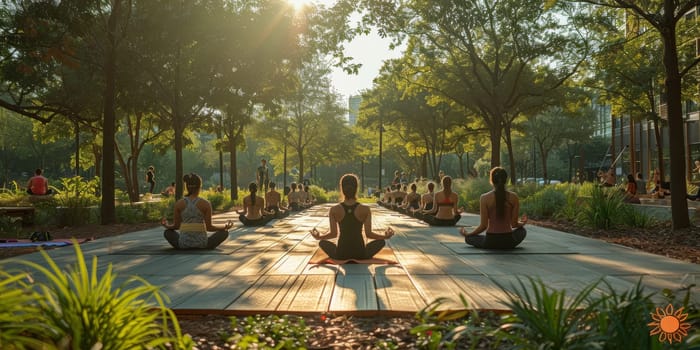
{"points": [[347, 220]]}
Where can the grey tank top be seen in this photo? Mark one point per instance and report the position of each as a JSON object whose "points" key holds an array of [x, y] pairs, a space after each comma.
{"points": [[192, 215]]}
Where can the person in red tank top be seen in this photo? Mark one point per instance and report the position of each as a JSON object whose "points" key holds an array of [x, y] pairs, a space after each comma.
{"points": [[38, 184]]}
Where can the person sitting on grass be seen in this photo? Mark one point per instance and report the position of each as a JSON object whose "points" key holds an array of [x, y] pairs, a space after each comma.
{"points": [[253, 213], [274, 202], [346, 222], [192, 217], [445, 211], [498, 211]]}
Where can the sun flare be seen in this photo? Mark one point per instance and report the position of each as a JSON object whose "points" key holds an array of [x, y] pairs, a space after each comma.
{"points": [[298, 5], [669, 325]]}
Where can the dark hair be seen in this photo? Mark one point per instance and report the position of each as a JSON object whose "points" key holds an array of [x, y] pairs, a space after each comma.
{"points": [[193, 183], [253, 187], [447, 184], [37, 171], [431, 186], [348, 186], [306, 188], [172, 184], [499, 177], [639, 175], [272, 185], [293, 185], [413, 187], [630, 178]]}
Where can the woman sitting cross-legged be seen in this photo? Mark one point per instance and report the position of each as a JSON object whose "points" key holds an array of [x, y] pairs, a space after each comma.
{"points": [[253, 213], [426, 202], [445, 211], [411, 202], [499, 217], [192, 217], [274, 202], [346, 222]]}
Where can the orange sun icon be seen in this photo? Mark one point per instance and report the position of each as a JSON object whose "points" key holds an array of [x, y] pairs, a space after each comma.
{"points": [[669, 325]]}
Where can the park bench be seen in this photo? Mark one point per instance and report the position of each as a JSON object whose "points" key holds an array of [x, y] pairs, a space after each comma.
{"points": [[26, 214]]}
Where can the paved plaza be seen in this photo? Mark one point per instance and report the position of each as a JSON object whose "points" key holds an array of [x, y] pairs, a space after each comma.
{"points": [[267, 270]]}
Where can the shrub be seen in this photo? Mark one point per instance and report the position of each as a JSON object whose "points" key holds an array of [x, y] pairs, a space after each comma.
{"points": [[569, 211], [526, 190], [634, 218], [75, 199], [319, 193], [603, 209], [448, 329], [470, 191], [215, 198], [21, 323], [545, 203], [84, 311], [544, 318], [11, 197]]}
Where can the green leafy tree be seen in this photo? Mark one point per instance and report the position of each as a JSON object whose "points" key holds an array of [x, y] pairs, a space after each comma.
{"points": [[664, 16]]}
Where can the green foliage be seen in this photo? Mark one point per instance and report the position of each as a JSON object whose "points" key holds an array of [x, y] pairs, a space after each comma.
{"points": [[544, 318], [448, 329], [319, 194], [269, 332], [11, 197], [83, 310], [545, 203], [215, 198], [623, 318], [77, 195], [470, 191], [571, 208], [603, 209], [634, 218], [526, 190], [21, 323]]}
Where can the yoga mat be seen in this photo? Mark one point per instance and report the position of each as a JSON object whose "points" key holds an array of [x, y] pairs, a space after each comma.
{"points": [[166, 249], [385, 256], [22, 243], [464, 249]]}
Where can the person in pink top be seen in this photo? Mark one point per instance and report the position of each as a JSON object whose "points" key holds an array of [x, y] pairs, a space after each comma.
{"points": [[38, 184], [499, 210]]}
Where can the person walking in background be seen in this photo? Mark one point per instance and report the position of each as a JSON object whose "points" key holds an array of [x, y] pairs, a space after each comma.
{"points": [[151, 178], [38, 185], [498, 210], [262, 176], [192, 217]]}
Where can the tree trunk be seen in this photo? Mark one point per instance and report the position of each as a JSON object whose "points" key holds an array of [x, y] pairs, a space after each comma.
{"points": [[495, 133], [511, 157], [234, 169], [178, 143], [679, 204], [659, 149], [460, 157], [107, 209]]}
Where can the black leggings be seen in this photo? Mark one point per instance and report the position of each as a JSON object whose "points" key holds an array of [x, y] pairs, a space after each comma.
{"points": [[213, 241], [256, 222], [332, 250], [433, 221], [497, 240]]}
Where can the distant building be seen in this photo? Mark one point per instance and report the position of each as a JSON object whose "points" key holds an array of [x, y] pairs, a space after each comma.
{"points": [[353, 108]]}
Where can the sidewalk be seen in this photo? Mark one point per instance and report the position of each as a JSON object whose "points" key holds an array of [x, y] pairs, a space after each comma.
{"points": [[265, 269]]}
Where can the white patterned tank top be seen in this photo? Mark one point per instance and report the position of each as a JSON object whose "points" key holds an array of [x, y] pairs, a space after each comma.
{"points": [[193, 233]]}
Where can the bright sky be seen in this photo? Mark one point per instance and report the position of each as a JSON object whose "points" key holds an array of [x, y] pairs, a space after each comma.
{"points": [[369, 50]]}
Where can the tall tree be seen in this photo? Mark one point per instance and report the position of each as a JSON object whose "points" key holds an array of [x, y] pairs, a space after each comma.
{"points": [[489, 57], [664, 16]]}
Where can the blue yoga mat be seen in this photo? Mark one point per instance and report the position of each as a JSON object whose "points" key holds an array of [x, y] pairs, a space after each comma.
{"points": [[33, 244]]}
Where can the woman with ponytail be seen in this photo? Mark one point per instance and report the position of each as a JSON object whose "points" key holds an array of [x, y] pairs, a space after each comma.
{"points": [[499, 210], [445, 211], [253, 213], [346, 222], [192, 217]]}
